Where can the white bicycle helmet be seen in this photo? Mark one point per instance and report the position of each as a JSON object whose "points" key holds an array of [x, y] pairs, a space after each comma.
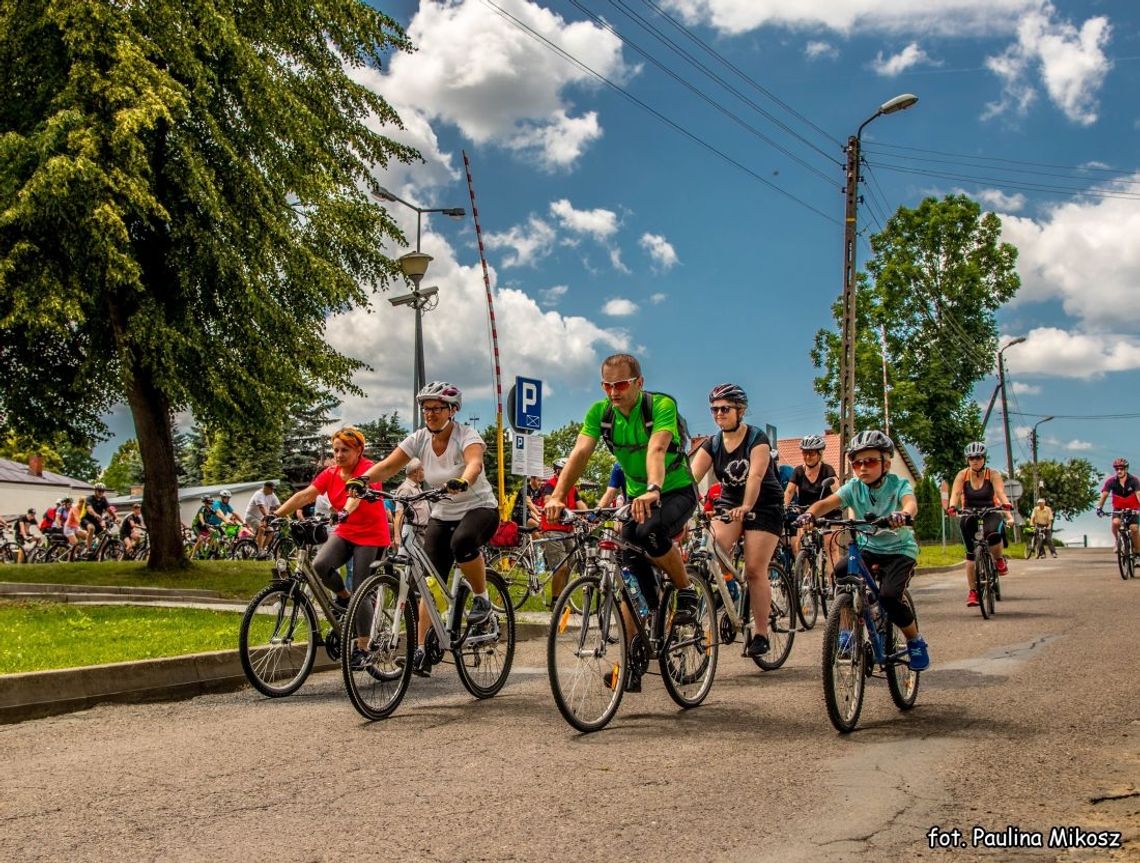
{"points": [[729, 393], [442, 391], [812, 443], [975, 448], [870, 439]]}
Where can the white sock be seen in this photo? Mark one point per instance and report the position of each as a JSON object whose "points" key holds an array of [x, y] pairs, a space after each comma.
{"points": [[485, 595]]}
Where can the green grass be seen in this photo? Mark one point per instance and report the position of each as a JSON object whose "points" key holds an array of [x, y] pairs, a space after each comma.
{"points": [[936, 555], [239, 579], [43, 635]]}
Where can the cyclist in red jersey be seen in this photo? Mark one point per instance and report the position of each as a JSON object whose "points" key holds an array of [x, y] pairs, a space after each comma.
{"points": [[1125, 490]]}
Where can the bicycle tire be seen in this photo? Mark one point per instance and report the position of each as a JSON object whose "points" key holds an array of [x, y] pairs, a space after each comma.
{"points": [[112, 549], [588, 664], [243, 549], [273, 662], [901, 680], [804, 578], [514, 572], [689, 649], [9, 552], [982, 580], [844, 674], [781, 619], [992, 589], [1123, 556], [483, 668], [377, 686]]}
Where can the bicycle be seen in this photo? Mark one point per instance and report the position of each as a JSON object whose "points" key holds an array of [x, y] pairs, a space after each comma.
{"points": [[986, 576], [734, 613], [812, 575], [519, 566], [1034, 541], [280, 631], [859, 637], [9, 549], [589, 656], [1125, 553], [377, 663]]}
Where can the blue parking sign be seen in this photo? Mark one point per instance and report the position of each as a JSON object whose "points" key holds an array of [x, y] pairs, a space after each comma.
{"points": [[528, 404]]}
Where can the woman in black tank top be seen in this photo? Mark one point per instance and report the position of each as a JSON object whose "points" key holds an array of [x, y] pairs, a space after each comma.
{"points": [[812, 481], [977, 486]]}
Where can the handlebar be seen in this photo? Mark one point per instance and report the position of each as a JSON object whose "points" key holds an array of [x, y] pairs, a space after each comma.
{"points": [[371, 495], [1113, 512], [883, 523], [983, 511]]}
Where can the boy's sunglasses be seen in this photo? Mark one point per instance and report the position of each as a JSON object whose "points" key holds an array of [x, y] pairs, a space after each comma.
{"points": [[864, 462], [617, 386]]}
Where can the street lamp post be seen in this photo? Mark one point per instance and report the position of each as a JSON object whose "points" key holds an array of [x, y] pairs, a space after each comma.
{"points": [[1004, 404], [1033, 444], [847, 355], [414, 266]]}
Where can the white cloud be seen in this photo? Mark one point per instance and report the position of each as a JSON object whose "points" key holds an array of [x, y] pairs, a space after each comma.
{"points": [[599, 224], [1020, 389], [1059, 353], [1071, 62], [619, 307], [911, 55], [552, 295], [815, 50], [1078, 445], [456, 347], [616, 261], [1083, 253], [660, 250], [477, 70], [531, 242], [658, 298], [997, 200]]}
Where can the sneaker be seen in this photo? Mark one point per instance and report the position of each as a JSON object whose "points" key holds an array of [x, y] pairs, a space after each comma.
{"points": [[480, 611], [360, 659], [1002, 566], [421, 667], [1054, 554], [972, 599], [757, 646], [686, 607], [845, 641], [340, 606], [918, 657]]}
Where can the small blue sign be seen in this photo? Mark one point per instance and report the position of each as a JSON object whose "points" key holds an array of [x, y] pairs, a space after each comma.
{"points": [[528, 404]]}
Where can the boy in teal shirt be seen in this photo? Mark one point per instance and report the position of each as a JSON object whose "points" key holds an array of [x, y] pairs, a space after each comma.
{"points": [[875, 492]]}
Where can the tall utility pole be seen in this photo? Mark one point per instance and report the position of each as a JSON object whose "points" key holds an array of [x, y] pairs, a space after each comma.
{"points": [[850, 236], [1004, 405], [1033, 445], [886, 383]]}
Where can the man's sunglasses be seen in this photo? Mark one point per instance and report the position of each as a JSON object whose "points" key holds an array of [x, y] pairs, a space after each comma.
{"points": [[864, 462], [617, 386]]}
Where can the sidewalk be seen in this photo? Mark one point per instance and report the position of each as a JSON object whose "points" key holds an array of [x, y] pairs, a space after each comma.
{"points": [[45, 693]]}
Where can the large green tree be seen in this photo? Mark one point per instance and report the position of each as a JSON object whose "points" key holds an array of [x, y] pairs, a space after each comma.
{"points": [[560, 442], [184, 200], [937, 275], [1071, 487], [125, 469]]}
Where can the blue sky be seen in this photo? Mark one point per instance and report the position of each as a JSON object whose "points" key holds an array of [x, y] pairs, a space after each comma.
{"points": [[608, 229]]}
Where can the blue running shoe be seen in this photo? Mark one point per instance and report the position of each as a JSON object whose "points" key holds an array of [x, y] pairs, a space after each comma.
{"points": [[918, 658], [845, 641]]}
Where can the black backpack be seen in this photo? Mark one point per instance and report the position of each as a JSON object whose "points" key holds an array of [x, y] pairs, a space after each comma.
{"points": [[678, 452]]}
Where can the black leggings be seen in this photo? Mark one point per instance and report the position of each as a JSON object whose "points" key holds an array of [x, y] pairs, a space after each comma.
{"points": [[448, 542], [655, 536], [335, 553], [893, 576], [991, 525]]}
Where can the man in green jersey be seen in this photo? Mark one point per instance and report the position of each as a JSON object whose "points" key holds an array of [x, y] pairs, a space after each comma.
{"points": [[658, 481]]}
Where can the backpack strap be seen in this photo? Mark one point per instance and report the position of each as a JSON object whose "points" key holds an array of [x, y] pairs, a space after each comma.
{"points": [[607, 427]]}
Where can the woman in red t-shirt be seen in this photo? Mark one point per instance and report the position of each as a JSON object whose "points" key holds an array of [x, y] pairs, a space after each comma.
{"points": [[359, 536]]}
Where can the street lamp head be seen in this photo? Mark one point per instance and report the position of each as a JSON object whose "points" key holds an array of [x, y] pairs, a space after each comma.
{"points": [[898, 103], [1045, 420], [454, 212], [382, 194], [1012, 342], [414, 265]]}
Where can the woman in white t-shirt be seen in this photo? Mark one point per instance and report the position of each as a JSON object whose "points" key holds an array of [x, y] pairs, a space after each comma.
{"points": [[459, 526]]}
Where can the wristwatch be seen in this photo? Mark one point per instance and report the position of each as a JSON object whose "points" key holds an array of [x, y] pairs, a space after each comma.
{"points": [[652, 487]]}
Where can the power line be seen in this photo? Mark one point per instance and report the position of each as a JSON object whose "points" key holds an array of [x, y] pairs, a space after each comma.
{"points": [[1079, 416], [1033, 171], [646, 107], [697, 91], [1076, 168], [1009, 184]]}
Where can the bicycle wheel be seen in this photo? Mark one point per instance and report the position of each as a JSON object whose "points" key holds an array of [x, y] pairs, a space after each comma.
{"points": [[243, 549], [901, 681], [587, 656], [781, 619], [511, 567], [804, 577], [112, 549], [277, 641], [1123, 555], [9, 552], [982, 566], [376, 674], [844, 664], [484, 659], [689, 645]]}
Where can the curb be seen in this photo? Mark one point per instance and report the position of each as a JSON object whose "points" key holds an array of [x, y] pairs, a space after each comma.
{"points": [[17, 588], [36, 694], [935, 570]]}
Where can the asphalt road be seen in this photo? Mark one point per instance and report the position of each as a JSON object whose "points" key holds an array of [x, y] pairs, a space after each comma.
{"points": [[1029, 721]]}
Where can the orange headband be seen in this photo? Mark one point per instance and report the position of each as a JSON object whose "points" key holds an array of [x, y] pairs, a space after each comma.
{"points": [[350, 436]]}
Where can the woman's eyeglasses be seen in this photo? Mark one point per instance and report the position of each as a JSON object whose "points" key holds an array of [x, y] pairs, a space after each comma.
{"points": [[721, 409], [864, 462], [436, 410], [617, 386]]}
